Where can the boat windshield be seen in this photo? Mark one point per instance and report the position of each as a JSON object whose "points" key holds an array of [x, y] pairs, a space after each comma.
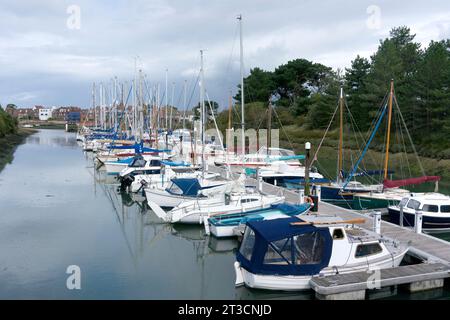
{"points": [[413, 204], [445, 209], [247, 244], [174, 189], [139, 162], [403, 202]]}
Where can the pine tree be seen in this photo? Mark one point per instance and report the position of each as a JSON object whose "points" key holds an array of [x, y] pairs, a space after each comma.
{"points": [[356, 78]]}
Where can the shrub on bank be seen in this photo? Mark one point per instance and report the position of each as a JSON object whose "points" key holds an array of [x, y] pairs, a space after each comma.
{"points": [[8, 124]]}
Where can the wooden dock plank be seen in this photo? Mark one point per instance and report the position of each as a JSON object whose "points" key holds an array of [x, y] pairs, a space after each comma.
{"points": [[358, 281]]}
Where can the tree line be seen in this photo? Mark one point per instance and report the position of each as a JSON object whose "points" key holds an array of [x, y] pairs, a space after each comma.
{"points": [[8, 124], [305, 93]]}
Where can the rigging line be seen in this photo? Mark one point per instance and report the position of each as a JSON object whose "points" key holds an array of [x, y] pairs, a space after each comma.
{"points": [[401, 141], [374, 121], [365, 149], [363, 162], [353, 121], [282, 127], [262, 119], [324, 136], [409, 136], [193, 89], [218, 132], [227, 72], [404, 148], [372, 128]]}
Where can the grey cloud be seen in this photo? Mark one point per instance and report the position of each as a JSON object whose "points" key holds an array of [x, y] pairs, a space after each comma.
{"points": [[44, 62]]}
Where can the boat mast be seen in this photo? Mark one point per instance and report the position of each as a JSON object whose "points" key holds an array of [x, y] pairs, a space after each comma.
{"points": [[388, 139], [167, 98], [230, 109], [341, 135], [269, 128], [202, 115], [185, 104], [141, 107], [242, 86], [94, 108], [172, 105]]}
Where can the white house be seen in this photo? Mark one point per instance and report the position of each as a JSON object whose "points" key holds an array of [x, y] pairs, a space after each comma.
{"points": [[45, 114]]}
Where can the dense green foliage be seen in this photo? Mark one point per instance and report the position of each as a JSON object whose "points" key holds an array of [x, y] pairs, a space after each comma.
{"points": [[306, 94], [8, 124]]}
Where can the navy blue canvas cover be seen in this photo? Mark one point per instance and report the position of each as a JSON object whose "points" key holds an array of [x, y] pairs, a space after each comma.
{"points": [[268, 232], [190, 187]]}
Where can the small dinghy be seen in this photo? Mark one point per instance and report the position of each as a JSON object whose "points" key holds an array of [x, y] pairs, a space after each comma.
{"points": [[285, 254], [224, 225]]}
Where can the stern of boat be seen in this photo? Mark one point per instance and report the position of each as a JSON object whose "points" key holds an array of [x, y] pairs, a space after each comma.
{"points": [[239, 276]]}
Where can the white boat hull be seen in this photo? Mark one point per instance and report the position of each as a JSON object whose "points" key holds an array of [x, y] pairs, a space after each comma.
{"points": [[164, 199], [115, 168], [197, 215], [222, 231], [300, 283]]}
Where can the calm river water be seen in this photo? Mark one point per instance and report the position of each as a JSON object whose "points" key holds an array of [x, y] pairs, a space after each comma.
{"points": [[56, 210]]}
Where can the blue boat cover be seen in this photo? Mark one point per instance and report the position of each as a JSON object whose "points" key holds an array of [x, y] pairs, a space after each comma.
{"points": [[175, 164], [190, 187], [280, 248]]}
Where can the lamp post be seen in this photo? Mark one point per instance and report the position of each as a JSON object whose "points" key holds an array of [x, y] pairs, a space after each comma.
{"points": [[308, 149]]}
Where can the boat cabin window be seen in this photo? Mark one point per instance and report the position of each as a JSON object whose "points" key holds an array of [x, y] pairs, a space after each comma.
{"points": [[430, 208], [309, 248], [279, 252], [445, 209], [413, 204], [338, 234], [247, 244], [305, 249], [155, 163], [248, 200], [138, 163], [365, 250], [175, 189]]}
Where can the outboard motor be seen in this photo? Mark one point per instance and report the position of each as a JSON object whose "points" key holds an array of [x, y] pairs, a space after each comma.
{"points": [[126, 181], [143, 185]]}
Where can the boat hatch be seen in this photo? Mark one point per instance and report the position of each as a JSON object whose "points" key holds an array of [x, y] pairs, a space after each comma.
{"points": [[277, 247]]}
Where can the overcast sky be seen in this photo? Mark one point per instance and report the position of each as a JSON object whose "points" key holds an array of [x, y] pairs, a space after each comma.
{"points": [[49, 57]]}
